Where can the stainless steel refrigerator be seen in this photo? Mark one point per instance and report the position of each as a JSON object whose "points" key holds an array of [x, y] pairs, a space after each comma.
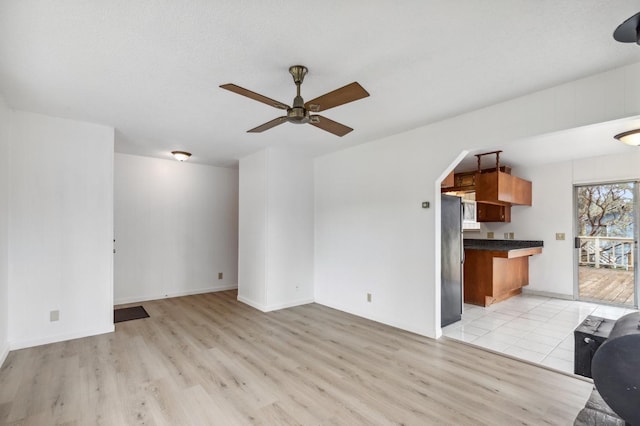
{"points": [[452, 258]]}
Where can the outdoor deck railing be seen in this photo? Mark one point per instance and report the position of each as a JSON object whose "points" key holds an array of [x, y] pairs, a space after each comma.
{"points": [[606, 252]]}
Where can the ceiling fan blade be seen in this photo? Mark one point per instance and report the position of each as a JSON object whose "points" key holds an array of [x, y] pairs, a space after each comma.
{"points": [[349, 93], [329, 125], [253, 95], [268, 125]]}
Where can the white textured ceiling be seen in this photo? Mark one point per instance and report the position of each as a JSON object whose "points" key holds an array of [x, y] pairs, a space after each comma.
{"points": [[578, 143], [151, 69]]}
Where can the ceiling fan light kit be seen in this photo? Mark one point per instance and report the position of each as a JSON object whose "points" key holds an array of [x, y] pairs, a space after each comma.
{"points": [[299, 112]]}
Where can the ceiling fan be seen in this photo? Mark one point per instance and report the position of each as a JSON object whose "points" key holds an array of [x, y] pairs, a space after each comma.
{"points": [[299, 113]]}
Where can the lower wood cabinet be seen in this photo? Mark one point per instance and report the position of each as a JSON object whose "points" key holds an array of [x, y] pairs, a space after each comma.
{"points": [[494, 275], [493, 213]]}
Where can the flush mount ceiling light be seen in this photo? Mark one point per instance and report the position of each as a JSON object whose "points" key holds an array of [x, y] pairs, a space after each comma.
{"points": [[628, 31], [181, 155], [632, 137]]}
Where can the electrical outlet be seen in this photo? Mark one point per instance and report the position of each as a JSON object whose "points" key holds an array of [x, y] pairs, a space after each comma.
{"points": [[560, 236], [425, 204], [54, 316], [368, 297], [511, 235], [219, 275], [506, 235], [490, 235]]}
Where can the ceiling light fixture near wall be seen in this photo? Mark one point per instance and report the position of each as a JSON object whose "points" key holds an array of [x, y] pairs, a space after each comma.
{"points": [[632, 137], [629, 30], [181, 155]]}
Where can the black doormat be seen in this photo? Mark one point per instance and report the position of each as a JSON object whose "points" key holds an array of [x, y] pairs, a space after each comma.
{"points": [[128, 314]]}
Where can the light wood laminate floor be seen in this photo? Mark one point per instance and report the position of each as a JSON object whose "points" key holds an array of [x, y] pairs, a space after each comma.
{"points": [[208, 359]]}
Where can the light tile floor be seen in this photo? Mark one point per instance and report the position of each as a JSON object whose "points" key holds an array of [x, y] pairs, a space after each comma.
{"points": [[534, 328]]}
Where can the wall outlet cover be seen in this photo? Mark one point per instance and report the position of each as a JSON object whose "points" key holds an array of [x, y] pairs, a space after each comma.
{"points": [[368, 297], [490, 235], [560, 236], [54, 316], [425, 204], [219, 275]]}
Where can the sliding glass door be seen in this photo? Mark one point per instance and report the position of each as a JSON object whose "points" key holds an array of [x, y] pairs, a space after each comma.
{"points": [[606, 243]]}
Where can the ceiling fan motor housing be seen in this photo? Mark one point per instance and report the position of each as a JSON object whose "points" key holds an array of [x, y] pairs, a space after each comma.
{"points": [[297, 115], [629, 30]]}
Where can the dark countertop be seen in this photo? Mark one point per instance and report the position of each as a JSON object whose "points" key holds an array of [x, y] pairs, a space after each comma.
{"points": [[501, 245]]}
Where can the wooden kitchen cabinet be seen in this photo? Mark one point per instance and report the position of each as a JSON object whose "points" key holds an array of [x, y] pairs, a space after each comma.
{"points": [[462, 182], [502, 189], [495, 274], [493, 213], [467, 179], [449, 181]]}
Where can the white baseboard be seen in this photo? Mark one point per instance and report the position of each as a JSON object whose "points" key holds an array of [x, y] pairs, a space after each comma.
{"points": [[21, 344], [288, 304], [269, 308], [135, 299], [422, 332], [4, 351], [251, 303], [547, 294]]}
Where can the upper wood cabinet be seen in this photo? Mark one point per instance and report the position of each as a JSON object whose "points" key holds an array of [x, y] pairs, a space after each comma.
{"points": [[501, 188], [449, 181], [460, 182], [493, 212], [465, 180]]}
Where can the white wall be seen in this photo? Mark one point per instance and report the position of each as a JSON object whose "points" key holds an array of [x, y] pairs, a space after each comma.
{"points": [[552, 211], [371, 234], [5, 123], [60, 229], [276, 230], [290, 230], [252, 230], [176, 228]]}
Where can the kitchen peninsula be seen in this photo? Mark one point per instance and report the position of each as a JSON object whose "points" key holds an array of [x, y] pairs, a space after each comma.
{"points": [[495, 270]]}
